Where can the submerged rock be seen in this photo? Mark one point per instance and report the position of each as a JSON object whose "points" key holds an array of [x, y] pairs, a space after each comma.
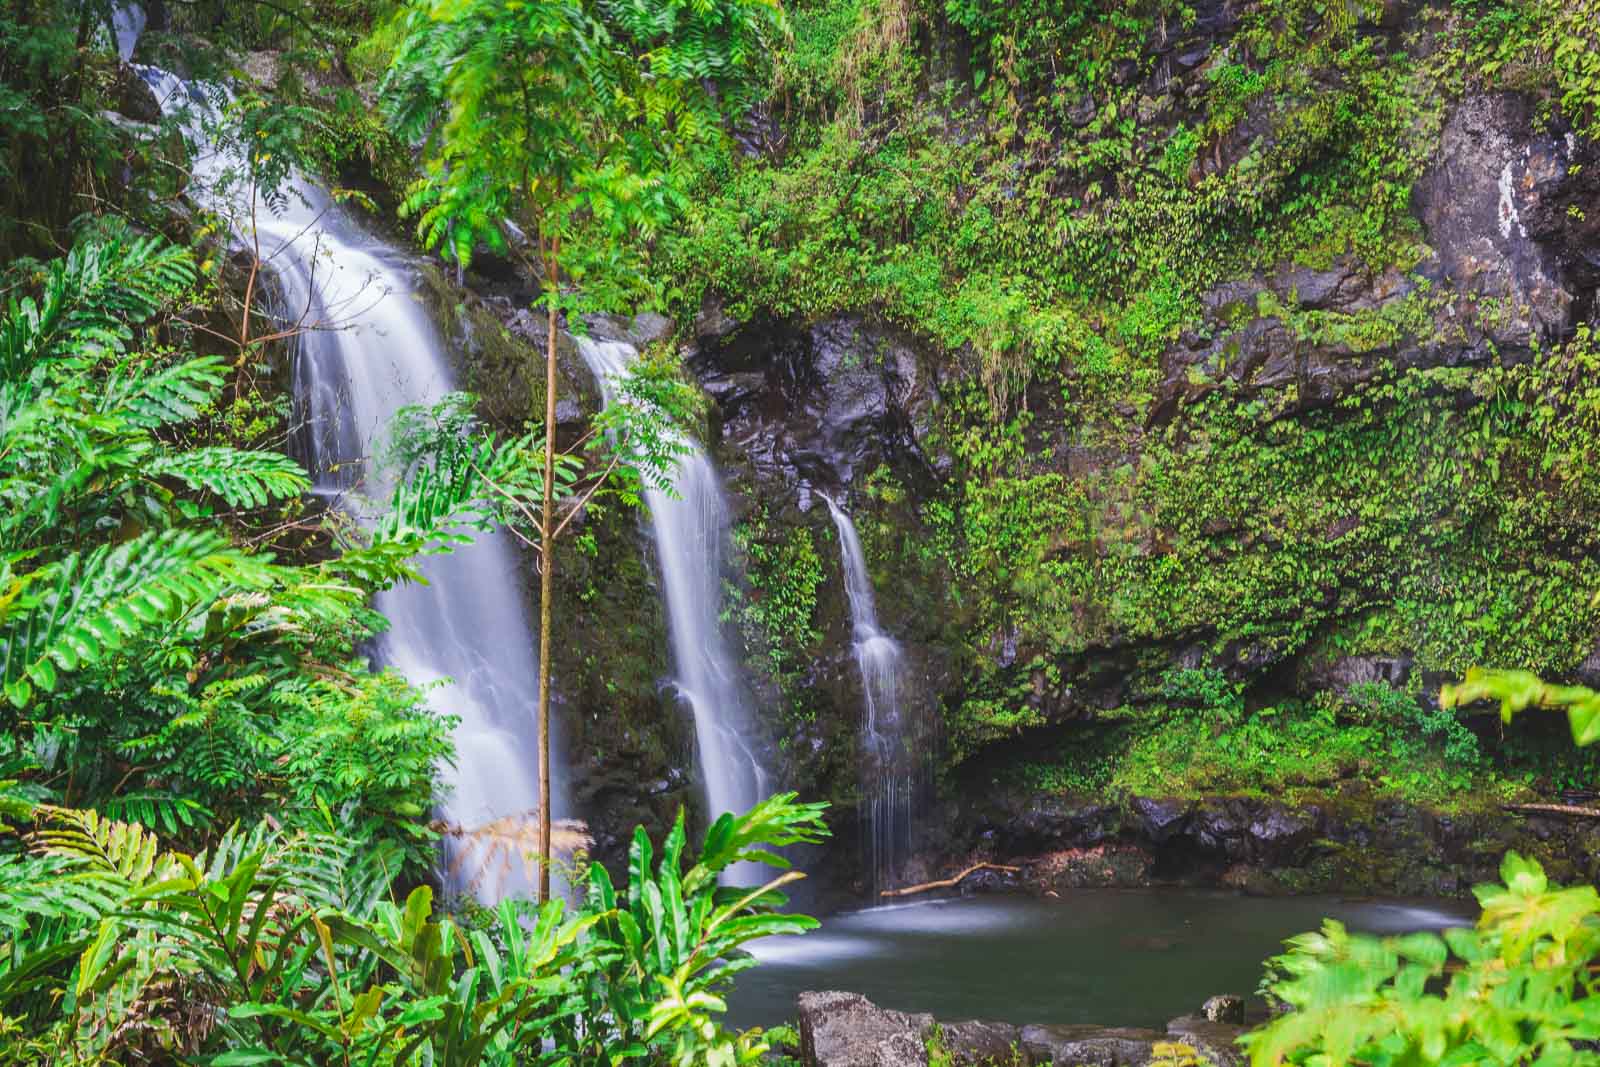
{"points": [[1089, 1046], [1224, 1008]]}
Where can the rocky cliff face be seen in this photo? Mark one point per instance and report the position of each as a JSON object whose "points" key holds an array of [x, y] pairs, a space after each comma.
{"points": [[1324, 468], [1332, 439]]}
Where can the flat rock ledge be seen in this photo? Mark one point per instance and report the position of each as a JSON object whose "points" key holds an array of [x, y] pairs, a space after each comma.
{"points": [[840, 1029]]}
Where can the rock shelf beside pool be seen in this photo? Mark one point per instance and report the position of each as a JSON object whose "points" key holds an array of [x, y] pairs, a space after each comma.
{"points": [[839, 1029]]}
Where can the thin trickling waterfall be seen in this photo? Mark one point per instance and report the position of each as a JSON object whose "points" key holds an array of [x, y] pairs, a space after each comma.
{"points": [[689, 532], [367, 350], [888, 781]]}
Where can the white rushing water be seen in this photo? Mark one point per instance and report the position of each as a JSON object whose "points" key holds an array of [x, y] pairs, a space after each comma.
{"points": [[366, 350], [689, 532], [127, 23], [888, 781]]}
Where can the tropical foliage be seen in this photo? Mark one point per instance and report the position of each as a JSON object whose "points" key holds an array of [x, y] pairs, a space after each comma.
{"points": [[290, 947], [1518, 987], [571, 117], [160, 662]]}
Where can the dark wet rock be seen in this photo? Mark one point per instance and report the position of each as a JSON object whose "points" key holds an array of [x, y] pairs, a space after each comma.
{"points": [[1160, 818], [1492, 174], [1339, 838], [640, 331], [1277, 831], [499, 344], [848, 1030], [713, 323], [1089, 1046], [1217, 827], [1512, 267], [1213, 1040], [978, 1042], [1588, 672], [133, 98], [1251, 341], [1342, 673], [1223, 1008], [814, 409]]}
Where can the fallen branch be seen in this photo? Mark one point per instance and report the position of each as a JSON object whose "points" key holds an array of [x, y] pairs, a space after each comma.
{"points": [[1554, 809], [951, 883]]}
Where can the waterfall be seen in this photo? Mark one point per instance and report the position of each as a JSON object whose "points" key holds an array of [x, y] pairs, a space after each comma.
{"points": [[889, 778], [690, 528], [127, 23], [366, 350]]}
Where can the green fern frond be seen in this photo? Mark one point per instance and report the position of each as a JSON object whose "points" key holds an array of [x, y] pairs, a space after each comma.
{"points": [[90, 297], [155, 810], [124, 851], [243, 479], [171, 395], [92, 606]]}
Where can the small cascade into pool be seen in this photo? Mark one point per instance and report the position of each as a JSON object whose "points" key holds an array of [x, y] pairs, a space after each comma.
{"points": [[690, 527], [366, 350], [888, 780]]}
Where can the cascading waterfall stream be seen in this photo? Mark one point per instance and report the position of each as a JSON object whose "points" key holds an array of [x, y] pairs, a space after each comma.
{"points": [[366, 350], [889, 780], [127, 23], [689, 532]]}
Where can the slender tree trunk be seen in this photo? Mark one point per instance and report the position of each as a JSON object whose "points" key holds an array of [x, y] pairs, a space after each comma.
{"points": [[74, 98], [547, 562]]}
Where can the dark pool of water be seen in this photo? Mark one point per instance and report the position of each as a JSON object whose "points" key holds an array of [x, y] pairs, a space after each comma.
{"points": [[1111, 957]]}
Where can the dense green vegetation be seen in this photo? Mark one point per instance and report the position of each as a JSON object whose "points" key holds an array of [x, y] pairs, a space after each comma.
{"points": [[220, 842], [1012, 187], [223, 839], [280, 947], [1517, 990]]}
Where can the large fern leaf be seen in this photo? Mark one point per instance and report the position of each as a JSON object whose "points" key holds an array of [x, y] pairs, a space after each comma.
{"points": [[243, 479], [90, 297], [77, 611], [170, 395]]}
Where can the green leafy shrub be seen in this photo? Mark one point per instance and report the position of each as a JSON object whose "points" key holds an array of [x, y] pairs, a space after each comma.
{"points": [[158, 658], [1518, 987], [779, 617], [280, 947]]}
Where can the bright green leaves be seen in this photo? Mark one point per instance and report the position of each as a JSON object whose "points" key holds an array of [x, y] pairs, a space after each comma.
{"points": [[243, 479], [1517, 43], [673, 940], [89, 299], [1520, 690], [1528, 916], [81, 610], [165, 662], [1518, 989], [572, 114], [296, 949]]}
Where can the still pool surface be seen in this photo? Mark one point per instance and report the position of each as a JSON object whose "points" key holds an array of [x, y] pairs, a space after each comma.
{"points": [[1112, 957]]}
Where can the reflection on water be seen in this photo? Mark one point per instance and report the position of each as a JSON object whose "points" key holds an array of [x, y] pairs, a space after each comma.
{"points": [[1113, 957]]}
